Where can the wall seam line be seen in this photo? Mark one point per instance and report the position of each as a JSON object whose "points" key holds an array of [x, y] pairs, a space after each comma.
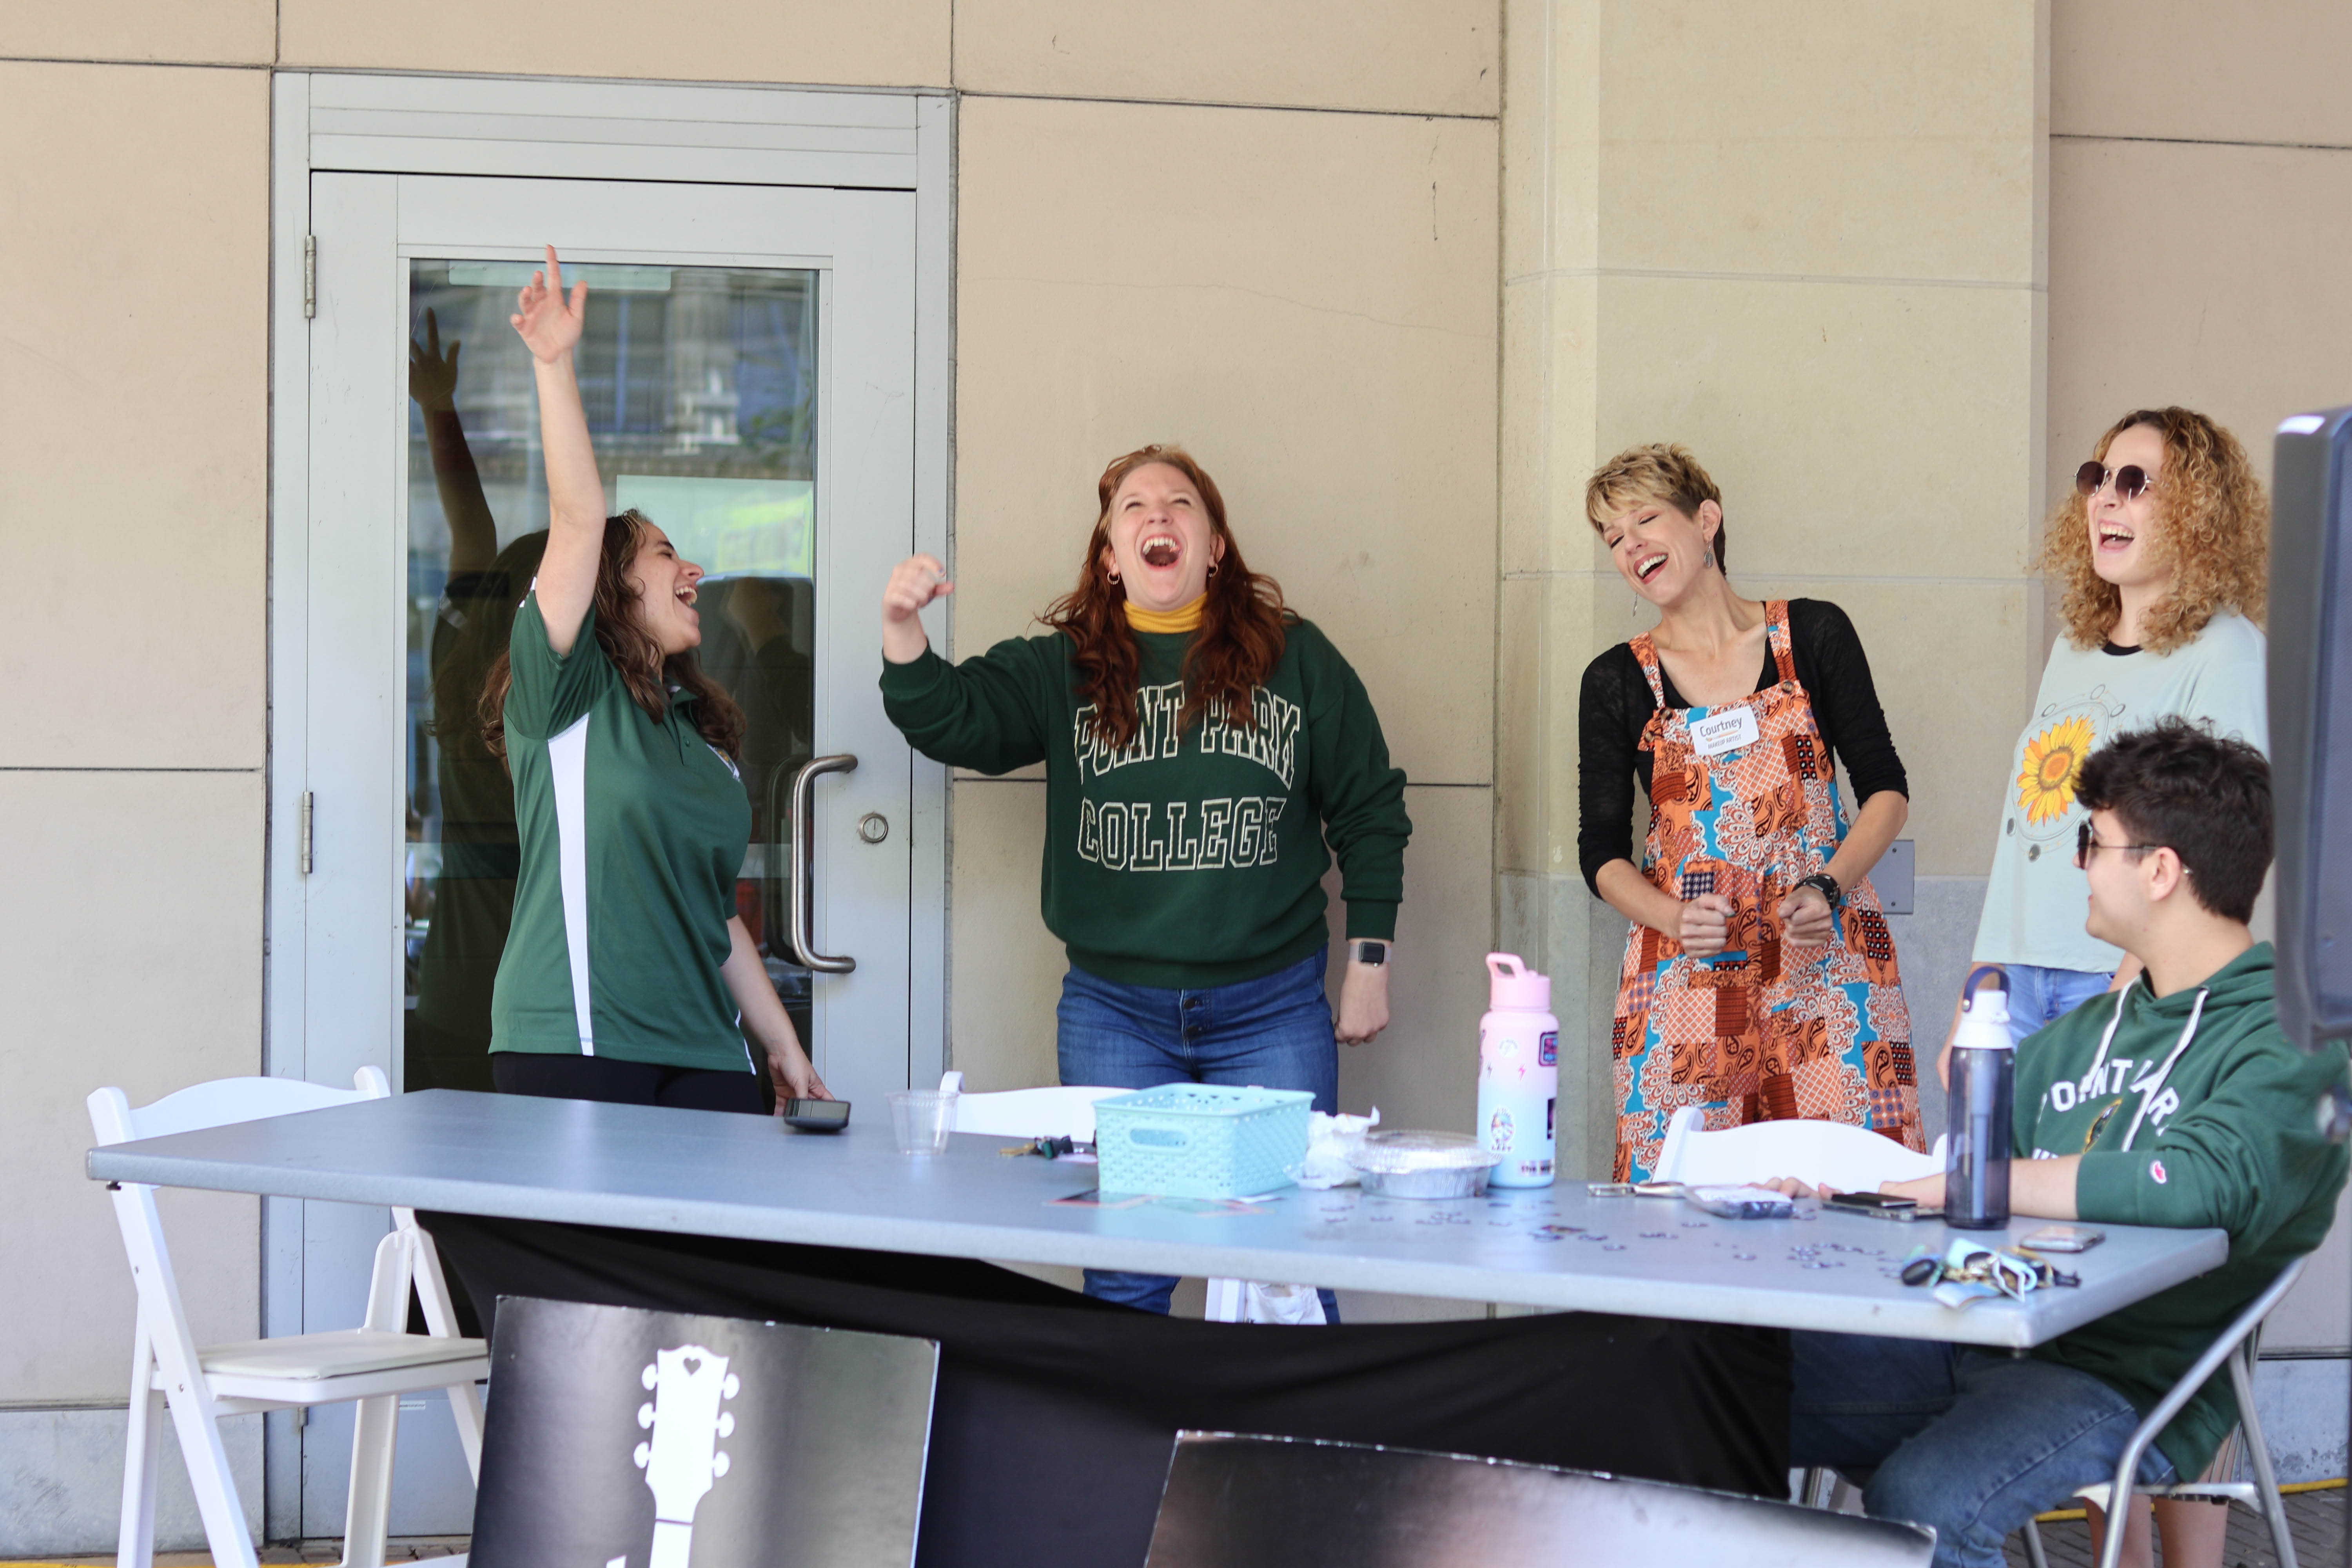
{"points": [[2203, 142], [1552, 274], [1495, 118]]}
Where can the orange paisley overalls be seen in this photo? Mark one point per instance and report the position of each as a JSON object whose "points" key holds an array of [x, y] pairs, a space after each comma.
{"points": [[1760, 1032]]}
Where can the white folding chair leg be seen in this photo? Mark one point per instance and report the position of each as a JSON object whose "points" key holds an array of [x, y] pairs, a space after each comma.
{"points": [[2034, 1555], [441, 1319], [376, 1432], [135, 1543], [1224, 1301], [2241, 1383]]}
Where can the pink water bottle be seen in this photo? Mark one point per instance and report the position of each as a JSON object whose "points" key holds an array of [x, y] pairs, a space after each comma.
{"points": [[1518, 1072]]}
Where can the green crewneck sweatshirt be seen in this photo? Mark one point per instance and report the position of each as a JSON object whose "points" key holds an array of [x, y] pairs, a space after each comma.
{"points": [[1191, 857], [2224, 1136]]}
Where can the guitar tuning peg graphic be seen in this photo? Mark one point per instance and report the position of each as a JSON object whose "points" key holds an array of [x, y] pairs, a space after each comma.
{"points": [[732, 1386], [651, 1375], [718, 1463], [725, 1425], [643, 1456], [646, 1413]]}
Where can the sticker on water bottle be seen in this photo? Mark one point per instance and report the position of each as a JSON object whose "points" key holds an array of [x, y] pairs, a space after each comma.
{"points": [[1548, 1049]]}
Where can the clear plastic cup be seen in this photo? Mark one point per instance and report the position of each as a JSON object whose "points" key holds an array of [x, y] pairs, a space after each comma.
{"points": [[922, 1118]]}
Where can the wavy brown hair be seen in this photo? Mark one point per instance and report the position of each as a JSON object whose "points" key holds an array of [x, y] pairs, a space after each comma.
{"points": [[1243, 621], [2215, 533], [633, 651]]}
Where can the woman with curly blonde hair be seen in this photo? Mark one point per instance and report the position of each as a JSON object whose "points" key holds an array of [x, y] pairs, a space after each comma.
{"points": [[2164, 549]]}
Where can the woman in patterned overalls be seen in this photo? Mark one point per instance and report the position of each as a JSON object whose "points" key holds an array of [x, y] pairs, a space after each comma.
{"points": [[1760, 980]]}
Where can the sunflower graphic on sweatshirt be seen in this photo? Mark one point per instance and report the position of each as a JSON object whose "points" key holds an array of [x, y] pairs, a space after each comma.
{"points": [[2052, 762]]}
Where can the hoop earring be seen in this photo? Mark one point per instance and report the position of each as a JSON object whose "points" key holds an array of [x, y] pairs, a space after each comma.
{"points": [[1114, 577], [1212, 568]]}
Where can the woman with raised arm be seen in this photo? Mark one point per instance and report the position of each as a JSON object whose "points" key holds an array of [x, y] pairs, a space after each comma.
{"points": [[1202, 745], [626, 976], [1759, 981]]}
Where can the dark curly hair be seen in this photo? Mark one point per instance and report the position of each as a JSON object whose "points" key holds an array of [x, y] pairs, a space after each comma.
{"points": [[2178, 786], [633, 651]]}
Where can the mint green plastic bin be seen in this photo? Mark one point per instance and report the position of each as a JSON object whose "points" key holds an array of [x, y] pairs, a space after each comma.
{"points": [[1201, 1141]]}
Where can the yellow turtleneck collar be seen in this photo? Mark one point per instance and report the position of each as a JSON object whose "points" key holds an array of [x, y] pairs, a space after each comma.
{"points": [[1187, 620]]}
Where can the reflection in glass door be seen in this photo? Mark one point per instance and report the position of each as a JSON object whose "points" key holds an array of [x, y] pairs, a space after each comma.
{"points": [[701, 390]]}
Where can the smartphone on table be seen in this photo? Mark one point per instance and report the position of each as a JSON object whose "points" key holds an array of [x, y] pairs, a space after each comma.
{"points": [[1882, 1206], [2064, 1239]]}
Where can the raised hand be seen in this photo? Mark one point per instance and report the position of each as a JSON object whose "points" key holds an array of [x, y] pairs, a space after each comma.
{"points": [[548, 323], [914, 583], [432, 376]]}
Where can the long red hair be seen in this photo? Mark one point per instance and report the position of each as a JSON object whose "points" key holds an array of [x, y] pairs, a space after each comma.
{"points": [[1244, 621]]}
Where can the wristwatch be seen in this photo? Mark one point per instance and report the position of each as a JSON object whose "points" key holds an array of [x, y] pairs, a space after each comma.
{"points": [[1364, 951], [1827, 885]]}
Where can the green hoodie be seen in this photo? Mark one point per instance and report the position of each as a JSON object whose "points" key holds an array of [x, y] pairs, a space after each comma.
{"points": [[1189, 857], [2220, 1132]]}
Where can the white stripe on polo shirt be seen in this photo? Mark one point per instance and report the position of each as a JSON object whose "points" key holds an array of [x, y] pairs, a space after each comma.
{"points": [[567, 758]]}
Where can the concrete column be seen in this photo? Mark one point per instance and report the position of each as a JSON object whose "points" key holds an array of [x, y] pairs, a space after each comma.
{"points": [[1807, 239]]}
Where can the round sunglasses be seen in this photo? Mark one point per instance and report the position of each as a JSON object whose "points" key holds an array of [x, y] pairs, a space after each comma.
{"points": [[2131, 481]]}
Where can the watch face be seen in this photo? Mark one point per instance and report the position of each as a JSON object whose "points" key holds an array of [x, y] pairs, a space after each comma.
{"points": [[1372, 952]]}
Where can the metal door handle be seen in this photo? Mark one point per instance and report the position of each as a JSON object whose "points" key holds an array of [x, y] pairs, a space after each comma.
{"points": [[803, 926]]}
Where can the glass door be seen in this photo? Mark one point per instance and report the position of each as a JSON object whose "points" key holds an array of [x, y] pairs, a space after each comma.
{"points": [[748, 372]]}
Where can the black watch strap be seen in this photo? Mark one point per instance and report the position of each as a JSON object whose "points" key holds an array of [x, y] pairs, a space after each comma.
{"points": [[1828, 887]]}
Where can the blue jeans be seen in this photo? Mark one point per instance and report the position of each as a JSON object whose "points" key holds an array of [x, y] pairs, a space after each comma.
{"points": [[1972, 1442], [2040, 995], [1273, 1032]]}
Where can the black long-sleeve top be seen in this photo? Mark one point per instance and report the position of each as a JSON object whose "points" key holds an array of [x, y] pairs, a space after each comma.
{"points": [[1616, 707]]}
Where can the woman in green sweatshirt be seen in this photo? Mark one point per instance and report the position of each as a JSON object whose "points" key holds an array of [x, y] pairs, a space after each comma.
{"points": [[1203, 744]]}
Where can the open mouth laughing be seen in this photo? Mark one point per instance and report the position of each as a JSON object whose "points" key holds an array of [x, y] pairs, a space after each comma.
{"points": [[2115, 536], [1160, 549], [1650, 566]]}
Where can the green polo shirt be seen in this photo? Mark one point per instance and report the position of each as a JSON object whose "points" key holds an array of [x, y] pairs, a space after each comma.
{"points": [[632, 832]]}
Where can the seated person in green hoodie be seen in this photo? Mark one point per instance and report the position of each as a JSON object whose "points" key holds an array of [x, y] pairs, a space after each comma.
{"points": [[2174, 1102]]}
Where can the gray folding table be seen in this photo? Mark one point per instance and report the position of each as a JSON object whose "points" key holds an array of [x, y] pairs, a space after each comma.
{"points": [[705, 1174]]}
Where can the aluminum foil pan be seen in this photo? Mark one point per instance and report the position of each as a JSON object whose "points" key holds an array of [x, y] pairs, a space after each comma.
{"points": [[1410, 1165]]}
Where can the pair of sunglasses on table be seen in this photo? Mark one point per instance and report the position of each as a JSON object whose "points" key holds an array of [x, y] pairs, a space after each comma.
{"points": [[2085, 845], [2131, 481]]}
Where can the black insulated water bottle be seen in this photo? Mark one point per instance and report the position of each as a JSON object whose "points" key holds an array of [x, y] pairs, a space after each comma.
{"points": [[1983, 1086]]}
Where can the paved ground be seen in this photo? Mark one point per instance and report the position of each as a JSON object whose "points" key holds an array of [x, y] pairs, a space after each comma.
{"points": [[2317, 1520]]}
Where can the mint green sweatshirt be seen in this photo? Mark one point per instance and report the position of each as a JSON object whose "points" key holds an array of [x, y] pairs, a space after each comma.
{"points": [[1192, 857], [2219, 1133]]}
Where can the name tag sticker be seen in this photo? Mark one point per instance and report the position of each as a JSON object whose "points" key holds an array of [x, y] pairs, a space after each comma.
{"points": [[1726, 731]]}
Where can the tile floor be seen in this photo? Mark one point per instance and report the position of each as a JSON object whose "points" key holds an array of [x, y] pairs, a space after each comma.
{"points": [[2315, 1520]]}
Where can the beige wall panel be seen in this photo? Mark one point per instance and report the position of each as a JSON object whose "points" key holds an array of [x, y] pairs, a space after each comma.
{"points": [[1789, 392], [1422, 1070], [1306, 301], [2252, 70], [1551, 332], [197, 32], [1419, 56], [133, 426], [130, 954], [2242, 313], [1005, 967], [880, 43], [1871, 138]]}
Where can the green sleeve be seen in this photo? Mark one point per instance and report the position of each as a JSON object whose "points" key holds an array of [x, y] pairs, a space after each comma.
{"points": [[2242, 1160], [988, 714], [1352, 787], [547, 691]]}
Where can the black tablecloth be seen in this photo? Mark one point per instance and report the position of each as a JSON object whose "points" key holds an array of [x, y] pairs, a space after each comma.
{"points": [[1055, 1413]]}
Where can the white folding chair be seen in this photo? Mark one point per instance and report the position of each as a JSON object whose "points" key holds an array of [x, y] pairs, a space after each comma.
{"points": [[2236, 1349], [374, 1365], [1826, 1153], [1065, 1110]]}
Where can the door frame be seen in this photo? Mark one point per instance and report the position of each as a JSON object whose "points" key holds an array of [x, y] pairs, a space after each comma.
{"points": [[538, 127]]}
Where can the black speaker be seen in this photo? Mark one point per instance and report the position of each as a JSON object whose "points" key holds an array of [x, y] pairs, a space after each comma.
{"points": [[2311, 722]]}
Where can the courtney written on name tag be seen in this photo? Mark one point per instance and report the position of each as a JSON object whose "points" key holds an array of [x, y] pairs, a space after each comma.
{"points": [[1725, 732]]}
